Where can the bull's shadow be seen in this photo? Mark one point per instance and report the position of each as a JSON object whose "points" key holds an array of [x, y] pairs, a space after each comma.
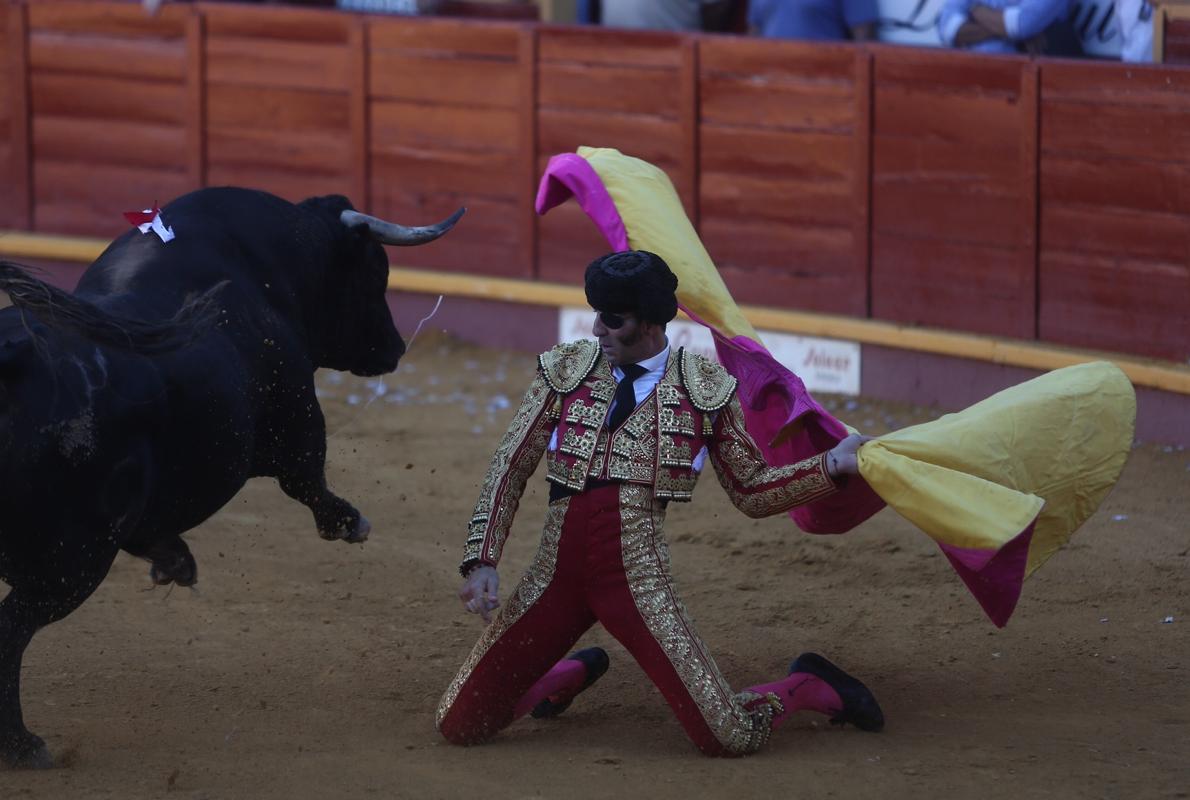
{"points": [[136, 407]]}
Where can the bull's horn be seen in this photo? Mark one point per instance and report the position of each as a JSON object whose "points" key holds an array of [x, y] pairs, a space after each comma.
{"points": [[392, 233]]}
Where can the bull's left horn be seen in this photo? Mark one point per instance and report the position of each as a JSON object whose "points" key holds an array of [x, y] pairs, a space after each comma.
{"points": [[392, 233]]}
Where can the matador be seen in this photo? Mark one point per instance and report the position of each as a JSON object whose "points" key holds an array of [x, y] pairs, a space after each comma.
{"points": [[626, 424]]}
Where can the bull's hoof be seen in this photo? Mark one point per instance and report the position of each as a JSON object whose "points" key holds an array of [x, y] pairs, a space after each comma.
{"points": [[348, 530], [179, 568], [25, 751]]}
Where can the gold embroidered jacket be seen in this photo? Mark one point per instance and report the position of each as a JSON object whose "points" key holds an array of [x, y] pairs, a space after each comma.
{"points": [[694, 405]]}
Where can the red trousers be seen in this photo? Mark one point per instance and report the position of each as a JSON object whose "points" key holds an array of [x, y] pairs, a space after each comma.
{"points": [[602, 558]]}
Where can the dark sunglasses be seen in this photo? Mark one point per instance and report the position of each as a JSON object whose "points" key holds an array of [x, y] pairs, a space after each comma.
{"points": [[612, 321]]}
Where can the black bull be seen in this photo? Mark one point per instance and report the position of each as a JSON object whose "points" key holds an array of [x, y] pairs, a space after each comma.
{"points": [[137, 407]]}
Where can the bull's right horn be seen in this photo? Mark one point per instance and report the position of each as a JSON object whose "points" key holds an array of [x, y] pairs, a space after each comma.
{"points": [[392, 233]]}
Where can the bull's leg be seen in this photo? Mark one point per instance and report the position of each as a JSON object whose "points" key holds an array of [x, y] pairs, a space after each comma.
{"points": [[18, 747], [22, 613], [171, 561], [334, 516], [299, 462]]}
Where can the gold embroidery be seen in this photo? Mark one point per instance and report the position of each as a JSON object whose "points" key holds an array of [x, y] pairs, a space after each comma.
{"points": [[668, 394], [560, 471], [589, 416], [577, 445], [647, 566], [530, 589], [753, 486], [708, 385], [675, 453], [567, 365], [671, 485], [671, 421], [514, 461]]}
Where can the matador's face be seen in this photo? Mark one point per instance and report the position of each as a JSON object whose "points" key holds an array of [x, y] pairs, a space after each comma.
{"points": [[629, 341]]}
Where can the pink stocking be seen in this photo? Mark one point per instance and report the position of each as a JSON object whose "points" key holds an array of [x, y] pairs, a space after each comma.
{"points": [[801, 692], [568, 675]]}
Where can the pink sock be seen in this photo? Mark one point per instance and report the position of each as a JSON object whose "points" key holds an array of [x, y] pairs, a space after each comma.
{"points": [[801, 692], [567, 675]]}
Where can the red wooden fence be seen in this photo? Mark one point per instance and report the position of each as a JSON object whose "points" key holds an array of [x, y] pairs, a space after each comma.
{"points": [[998, 195]]}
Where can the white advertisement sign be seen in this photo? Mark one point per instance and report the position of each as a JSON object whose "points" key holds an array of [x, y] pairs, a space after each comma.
{"points": [[916, 22], [824, 365]]}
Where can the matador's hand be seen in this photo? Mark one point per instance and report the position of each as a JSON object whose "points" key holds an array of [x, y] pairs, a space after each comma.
{"points": [[480, 592], [842, 461]]}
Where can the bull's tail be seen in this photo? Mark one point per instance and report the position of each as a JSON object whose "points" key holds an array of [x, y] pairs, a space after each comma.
{"points": [[63, 311]]}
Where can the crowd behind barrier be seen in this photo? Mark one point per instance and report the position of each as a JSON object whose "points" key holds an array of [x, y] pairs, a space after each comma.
{"points": [[1001, 195]]}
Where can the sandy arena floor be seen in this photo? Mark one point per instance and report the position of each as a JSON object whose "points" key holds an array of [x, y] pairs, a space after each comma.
{"points": [[307, 669]]}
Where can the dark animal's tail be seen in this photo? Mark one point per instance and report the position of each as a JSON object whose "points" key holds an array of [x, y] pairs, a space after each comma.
{"points": [[63, 311]]}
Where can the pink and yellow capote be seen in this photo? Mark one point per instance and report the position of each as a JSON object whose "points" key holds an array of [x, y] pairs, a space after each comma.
{"points": [[999, 487]]}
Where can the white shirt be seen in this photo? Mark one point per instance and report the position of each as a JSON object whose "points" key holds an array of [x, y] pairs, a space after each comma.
{"points": [[642, 388]]}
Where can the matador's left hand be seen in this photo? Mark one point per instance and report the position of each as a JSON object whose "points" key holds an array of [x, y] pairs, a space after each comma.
{"points": [[841, 460]]}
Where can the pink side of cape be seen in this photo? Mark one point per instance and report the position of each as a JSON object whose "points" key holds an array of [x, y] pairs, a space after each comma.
{"points": [[787, 423]]}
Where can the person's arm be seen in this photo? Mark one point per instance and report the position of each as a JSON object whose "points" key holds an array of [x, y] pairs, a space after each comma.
{"points": [[514, 461], [715, 15], [762, 491], [1024, 20], [955, 28], [860, 18]]}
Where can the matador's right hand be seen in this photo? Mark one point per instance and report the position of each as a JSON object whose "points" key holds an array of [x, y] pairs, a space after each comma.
{"points": [[480, 592]]}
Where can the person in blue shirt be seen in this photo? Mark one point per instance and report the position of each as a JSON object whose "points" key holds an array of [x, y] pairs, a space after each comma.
{"points": [[814, 20], [1009, 26]]}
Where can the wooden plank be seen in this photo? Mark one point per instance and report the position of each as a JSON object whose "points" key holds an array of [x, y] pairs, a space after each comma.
{"points": [[922, 112], [567, 242], [289, 109], [484, 40], [1118, 130], [594, 45], [653, 91], [18, 197], [781, 201], [91, 202], [485, 242], [99, 97], [1116, 303], [357, 105], [288, 23], [1093, 82], [526, 178], [956, 285], [1156, 186], [1115, 231], [110, 19], [688, 116], [293, 185], [401, 127], [434, 81], [777, 154], [195, 102], [861, 181], [263, 62], [113, 142], [826, 106], [471, 173], [316, 152], [776, 62], [144, 59], [651, 138], [948, 70]]}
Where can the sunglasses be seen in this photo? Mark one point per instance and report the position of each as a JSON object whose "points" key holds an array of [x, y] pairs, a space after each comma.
{"points": [[612, 321]]}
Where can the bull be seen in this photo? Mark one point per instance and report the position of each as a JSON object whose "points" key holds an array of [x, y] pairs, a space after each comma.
{"points": [[136, 407]]}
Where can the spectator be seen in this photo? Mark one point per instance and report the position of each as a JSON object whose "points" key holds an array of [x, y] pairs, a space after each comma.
{"points": [[815, 20], [1135, 20], [667, 15], [1010, 26]]}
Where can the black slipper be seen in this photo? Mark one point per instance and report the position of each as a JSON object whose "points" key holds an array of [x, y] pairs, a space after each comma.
{"points": [[859, 705]]}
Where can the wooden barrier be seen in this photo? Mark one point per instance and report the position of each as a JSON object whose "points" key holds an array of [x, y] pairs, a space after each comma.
{"points": [[954, 191], [1115, 210], [14, 120], [783, 172], [991, 195], [451, 125], [112, 97], [634, 92]]}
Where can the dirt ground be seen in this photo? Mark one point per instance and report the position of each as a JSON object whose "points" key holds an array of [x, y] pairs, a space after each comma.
{"points": [[307, 669]]}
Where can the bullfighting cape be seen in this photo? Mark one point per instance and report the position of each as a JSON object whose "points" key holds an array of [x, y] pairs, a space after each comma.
{"points": [[999, 487]]}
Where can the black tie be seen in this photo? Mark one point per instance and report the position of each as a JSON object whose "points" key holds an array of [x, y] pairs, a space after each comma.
{"points": [[625, 395]]}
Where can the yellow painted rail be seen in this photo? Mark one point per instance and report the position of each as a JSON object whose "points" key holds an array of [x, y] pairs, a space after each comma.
{"points": [[1152, 373]]}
